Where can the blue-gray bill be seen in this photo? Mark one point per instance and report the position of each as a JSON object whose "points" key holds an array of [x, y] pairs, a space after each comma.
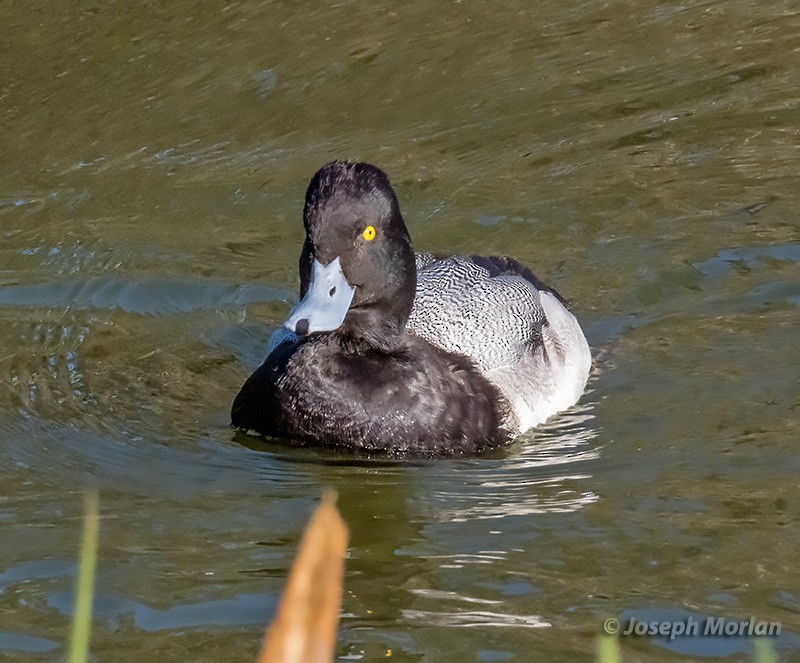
{"points": [[326, 302]]}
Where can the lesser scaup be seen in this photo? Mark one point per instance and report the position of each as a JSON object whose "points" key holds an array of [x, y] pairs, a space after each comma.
{"points": [[410, 354]]}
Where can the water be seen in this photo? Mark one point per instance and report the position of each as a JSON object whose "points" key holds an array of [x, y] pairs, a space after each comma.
{"points": [[640, 157]]}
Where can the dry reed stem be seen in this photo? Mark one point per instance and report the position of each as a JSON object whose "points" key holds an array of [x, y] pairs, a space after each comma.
{"points": [[304, 628]]}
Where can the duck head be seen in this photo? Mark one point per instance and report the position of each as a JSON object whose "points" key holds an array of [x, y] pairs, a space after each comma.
{"points": [[357, 271]]}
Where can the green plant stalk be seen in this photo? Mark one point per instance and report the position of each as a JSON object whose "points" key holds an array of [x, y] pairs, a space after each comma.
{"points": [[84, 593], [608, 649], [763, 651]]}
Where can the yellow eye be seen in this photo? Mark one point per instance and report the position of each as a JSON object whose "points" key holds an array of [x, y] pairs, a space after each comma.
{"points": [[369, 233]]}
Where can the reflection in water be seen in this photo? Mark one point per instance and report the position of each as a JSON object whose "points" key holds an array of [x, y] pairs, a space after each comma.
{"points": [[243, 609], [143, 296], [642, 157], [476, 618], [706, 637], [19, 642], [466, 618], [539, 475], [729, 261]]}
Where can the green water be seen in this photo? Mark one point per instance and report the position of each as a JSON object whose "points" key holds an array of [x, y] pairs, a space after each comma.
{"points": [[641, 157]]}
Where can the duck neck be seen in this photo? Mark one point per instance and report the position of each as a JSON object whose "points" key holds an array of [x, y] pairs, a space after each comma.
{"points": [[370, 328]]}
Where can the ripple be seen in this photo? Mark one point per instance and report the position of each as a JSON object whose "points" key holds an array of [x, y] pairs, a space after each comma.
{"points": [[241, 610], [475, 619], [539, 474], [728, 260], [115, 460], [146, 296], [700, 643], [26, 643], [436, 594]]}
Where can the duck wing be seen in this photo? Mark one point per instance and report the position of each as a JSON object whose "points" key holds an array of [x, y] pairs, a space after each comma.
{"points": [[487, 308]]}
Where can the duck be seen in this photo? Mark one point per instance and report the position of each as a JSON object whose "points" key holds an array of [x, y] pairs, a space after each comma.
{"points": [[408, 354]]}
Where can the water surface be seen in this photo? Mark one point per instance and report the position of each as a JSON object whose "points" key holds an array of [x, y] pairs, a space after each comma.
{"points": [[640, 157]]}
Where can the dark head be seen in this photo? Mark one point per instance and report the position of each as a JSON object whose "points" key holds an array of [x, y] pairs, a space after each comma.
{"points": [[357, 271]]}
